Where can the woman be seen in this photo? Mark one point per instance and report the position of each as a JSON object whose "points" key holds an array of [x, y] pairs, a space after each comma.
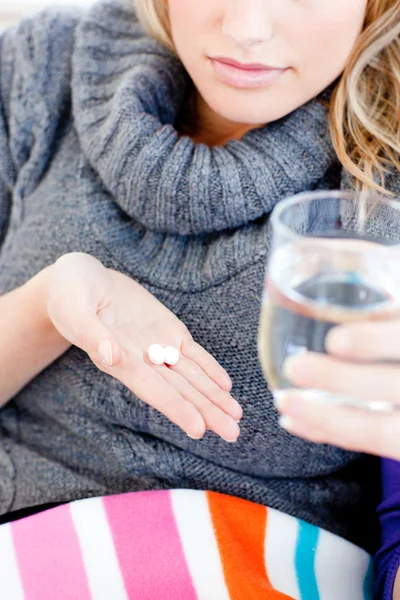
{"points": [[153, 178]]}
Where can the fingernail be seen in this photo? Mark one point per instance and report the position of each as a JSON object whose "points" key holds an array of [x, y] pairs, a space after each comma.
{"points": [[289, 367], [231, 437], [279, 399], [297, 369], [192, 437], [227, 379], [237, 414], [339, 340], [286, 423], [105, 351]]}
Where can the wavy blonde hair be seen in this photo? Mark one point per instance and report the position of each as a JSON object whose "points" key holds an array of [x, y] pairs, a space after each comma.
{"points": [[365, 105]]}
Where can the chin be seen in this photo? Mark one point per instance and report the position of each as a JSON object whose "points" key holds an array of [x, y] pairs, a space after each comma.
{"points": [[252, 113], [249, 106]]}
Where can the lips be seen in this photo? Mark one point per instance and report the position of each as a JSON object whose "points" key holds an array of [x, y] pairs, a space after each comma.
{"points": [[245, 76]]}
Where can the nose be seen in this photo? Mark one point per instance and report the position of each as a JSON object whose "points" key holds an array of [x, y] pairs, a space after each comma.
{"points": [[247, 22]]}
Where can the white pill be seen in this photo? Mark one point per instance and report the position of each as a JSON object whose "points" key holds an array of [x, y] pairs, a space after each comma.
{"points": [[171, 355], [156, 354]]}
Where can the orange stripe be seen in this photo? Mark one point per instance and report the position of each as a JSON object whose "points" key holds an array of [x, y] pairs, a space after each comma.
{"points": [[240, 528]]}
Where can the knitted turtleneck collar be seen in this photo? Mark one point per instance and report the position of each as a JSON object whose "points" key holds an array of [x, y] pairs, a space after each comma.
{"points": [[127, 93]]}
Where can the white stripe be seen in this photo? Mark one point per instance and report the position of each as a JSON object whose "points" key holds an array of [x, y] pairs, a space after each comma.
{"points": [[280, 551], [10, 582], [340, 568], [97, 546], [197, 535]]}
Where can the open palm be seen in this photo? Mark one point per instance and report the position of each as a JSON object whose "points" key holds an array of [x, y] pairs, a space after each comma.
{"points": [[115, 320]]}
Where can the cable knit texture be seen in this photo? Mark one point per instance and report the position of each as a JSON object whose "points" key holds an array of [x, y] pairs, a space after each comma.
{"points": [[168, 183], [90, 160]]}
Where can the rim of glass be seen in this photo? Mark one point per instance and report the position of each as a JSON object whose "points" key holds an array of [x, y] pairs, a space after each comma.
{"points": [[292, 200]]}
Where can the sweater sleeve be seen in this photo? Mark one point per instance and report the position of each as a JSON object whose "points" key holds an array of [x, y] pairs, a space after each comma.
{"points": [[388, 556], [35, 65]]}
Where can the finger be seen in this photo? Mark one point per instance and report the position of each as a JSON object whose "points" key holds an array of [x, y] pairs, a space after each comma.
{"points": [[215, 418], [367, 382], [199, 380], [147, 383], [366, 341], [207, 362], [80, 326], [349, 428]]}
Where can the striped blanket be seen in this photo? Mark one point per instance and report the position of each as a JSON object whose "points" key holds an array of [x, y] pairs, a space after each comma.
{"points": [[176, 545]]}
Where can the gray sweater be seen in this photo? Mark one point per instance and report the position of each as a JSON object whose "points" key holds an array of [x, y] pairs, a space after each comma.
{"points": [[90, 161]]}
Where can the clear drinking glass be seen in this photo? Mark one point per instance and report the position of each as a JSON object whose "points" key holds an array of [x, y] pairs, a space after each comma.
{"points": [[335, 258]]}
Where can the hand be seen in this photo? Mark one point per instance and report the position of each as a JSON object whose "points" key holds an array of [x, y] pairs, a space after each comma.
{"points": [[351, 368], [115, 320], [396, 591]]}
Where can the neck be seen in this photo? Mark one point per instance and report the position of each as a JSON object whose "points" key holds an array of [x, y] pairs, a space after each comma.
{"points": [[211, 128]]}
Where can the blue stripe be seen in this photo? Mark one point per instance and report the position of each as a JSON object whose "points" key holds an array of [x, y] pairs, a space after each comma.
{"points": [[368, 588], [307, 540]]}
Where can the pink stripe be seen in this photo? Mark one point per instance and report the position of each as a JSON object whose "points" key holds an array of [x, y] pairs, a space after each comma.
{"points": [[148, 546], [49, 557]]}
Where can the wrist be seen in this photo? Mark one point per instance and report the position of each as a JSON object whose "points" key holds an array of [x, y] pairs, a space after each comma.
{"points": [[34, 295]]}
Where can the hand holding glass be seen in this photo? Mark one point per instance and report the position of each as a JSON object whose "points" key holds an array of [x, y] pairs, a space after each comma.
{"points": [[335, 259]]}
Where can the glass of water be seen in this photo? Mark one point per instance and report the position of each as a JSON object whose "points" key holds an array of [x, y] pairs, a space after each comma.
{"points": [[335, 259]]}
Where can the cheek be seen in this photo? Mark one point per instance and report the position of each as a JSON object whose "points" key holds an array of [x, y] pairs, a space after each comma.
{"points": [[190, 18], [325, 44], [193, 24], [179, 11]]}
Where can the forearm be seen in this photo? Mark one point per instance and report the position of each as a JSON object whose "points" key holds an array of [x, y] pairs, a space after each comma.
{"points": [[28, 340]]}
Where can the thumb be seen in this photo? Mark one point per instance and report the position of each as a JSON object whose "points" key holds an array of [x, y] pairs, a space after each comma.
{"points": [[101, 344], [86, 330]]}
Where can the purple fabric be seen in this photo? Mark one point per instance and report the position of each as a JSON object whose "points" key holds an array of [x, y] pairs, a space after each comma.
{"points": [[388, 557]]}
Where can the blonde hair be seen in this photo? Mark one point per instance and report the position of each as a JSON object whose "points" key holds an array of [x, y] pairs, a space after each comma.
{"points": [[365, 105], [153, 15]]}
